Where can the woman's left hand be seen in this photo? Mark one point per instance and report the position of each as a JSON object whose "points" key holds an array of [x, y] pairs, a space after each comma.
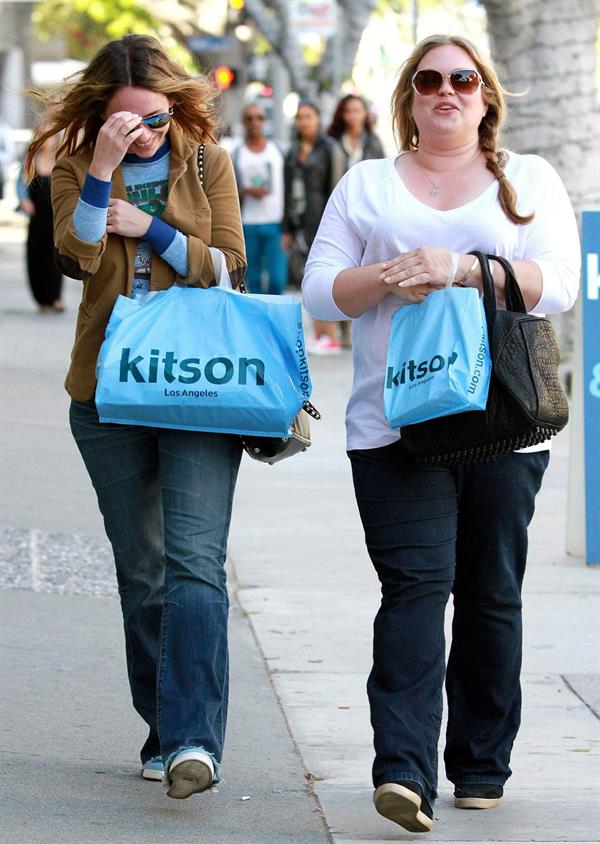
{"points": [[125, 219], [415, 294], [426, 265]]}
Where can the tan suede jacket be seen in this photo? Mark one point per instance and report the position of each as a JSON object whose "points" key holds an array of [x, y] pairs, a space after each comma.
{"points": [[209, 217]]}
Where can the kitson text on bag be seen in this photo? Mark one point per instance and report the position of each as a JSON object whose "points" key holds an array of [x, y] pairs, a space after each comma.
{"points": [[413, 371], [218, 370]]}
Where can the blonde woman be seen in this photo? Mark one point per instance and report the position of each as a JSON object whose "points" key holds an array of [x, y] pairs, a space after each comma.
{"points": [[131, 216], [394, 231]]}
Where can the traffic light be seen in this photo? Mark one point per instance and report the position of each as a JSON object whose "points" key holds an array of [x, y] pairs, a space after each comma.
{"points": [[225, 77]]}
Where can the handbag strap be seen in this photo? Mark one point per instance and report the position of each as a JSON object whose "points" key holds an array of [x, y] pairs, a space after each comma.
{"points": [[307, 406], [512, 291], [201, 164], [311, 409], [489, 291], [200, 160]]}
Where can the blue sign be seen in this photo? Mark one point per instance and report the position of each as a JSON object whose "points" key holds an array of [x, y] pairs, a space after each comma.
{"points": [[591, 380], [209, 43]]}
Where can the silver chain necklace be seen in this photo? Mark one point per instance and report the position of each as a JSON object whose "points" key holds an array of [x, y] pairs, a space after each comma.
{"points": [[437, 189]]}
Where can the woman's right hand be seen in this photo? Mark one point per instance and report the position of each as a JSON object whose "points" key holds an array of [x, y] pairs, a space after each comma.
{"points": [[27, 206], [115, 137], [287, 241]]}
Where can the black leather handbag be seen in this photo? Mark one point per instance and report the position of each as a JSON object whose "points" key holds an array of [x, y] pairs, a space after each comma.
{"points": [[526, 402]]}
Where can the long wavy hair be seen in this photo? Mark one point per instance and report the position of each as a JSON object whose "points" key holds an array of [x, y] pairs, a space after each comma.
{"points": [[407, 132], [338, 122], [137, 60]]}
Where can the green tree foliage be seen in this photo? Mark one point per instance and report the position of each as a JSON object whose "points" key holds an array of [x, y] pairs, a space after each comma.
{"points": [[86, 25]]}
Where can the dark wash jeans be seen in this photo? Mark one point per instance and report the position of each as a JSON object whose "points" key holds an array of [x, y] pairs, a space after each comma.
{"points": [[431, 531], [166, 497]]}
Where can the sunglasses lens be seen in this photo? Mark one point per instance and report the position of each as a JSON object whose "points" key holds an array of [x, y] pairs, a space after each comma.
{"points": [[464, 81], [157, 121], [428, 82]]}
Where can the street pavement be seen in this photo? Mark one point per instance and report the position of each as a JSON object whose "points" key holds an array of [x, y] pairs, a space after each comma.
{"points": [[298, 753]]}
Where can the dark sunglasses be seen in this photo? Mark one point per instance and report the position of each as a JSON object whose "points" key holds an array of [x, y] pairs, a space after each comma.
{"points": [[157, 121], [427, 82], [250, 117]]}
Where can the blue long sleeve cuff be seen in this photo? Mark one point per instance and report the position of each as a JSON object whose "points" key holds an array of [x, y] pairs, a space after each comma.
{"points": [[160, 235], [96, 192]]}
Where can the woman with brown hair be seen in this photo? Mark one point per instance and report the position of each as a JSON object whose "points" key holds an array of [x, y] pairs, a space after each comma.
{"points": [[395, 231], [132, 215], [352, 128]]}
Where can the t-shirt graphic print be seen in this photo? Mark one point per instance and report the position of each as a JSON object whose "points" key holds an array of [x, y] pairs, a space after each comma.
{"points": [[150, 197]]}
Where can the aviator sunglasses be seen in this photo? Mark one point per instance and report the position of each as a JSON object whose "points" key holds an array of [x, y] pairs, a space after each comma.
{"points": [[157, 121], [427, 82]]}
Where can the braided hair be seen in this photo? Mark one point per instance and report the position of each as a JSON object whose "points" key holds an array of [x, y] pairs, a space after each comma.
{"points": [[494, 94]]}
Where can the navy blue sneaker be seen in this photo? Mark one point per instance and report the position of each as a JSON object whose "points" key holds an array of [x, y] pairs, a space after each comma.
{"points": [[153, 769], [404, 804], [477, 796]]}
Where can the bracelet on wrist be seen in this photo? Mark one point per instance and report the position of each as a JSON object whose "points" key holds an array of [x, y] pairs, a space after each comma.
{"points": [[461, 281]]}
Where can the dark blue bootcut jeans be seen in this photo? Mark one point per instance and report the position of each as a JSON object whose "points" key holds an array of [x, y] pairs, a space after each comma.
{"points": [[166, 497], [431, 531]]}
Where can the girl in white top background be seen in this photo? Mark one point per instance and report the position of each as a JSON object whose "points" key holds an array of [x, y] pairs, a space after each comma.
{"points": [[394, 231]]}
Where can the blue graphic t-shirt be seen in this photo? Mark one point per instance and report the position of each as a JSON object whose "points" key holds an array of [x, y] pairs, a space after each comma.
{"points": [[146, 182]]}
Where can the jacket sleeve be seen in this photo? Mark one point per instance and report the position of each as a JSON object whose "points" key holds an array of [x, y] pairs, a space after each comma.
{"points": [[338, 163], [73, 256], [227, 234]]}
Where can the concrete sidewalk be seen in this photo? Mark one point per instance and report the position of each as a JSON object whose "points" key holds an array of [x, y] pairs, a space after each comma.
{"points": [[308, 592]]}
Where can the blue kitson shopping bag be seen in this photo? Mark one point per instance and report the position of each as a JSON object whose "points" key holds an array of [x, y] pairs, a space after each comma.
{"points": [[204, 360], [438, 360]]}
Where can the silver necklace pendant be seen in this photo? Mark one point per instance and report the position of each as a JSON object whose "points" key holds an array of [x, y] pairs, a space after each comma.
{"points": [[435, 191]]}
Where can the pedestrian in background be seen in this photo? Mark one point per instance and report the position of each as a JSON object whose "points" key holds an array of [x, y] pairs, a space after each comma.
{"points": [[258, 165], [35, 201], [7, 154], [130, 215], [396, 230], [310, 176], [352, 129]]}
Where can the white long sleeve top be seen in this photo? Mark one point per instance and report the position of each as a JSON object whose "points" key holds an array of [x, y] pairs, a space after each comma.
{"points": [[371, 216]]}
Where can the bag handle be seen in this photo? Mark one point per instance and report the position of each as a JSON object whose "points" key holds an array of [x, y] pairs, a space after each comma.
{"points": [[512, 291], [220, 268], [513, 296], [489, 292]]}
